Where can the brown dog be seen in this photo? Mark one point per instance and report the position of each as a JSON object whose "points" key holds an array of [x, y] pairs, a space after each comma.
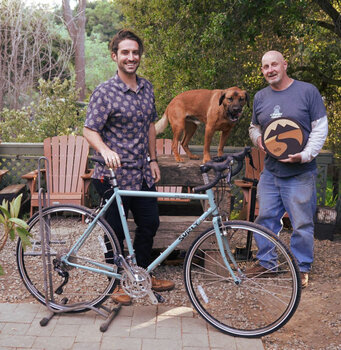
{"points": [[218, 109]]}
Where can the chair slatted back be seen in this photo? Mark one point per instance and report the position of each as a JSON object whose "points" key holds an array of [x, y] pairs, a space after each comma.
{"points": [[67, 156]]}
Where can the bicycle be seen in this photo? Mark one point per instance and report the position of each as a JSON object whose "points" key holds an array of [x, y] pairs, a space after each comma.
{"points": [[86, 263]]}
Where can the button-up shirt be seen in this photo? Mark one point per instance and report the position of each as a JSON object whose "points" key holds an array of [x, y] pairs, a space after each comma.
{"points": [[122, 117]]}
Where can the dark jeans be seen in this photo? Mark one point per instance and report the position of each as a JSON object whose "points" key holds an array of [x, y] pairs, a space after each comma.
{"points": [[146, 216]]}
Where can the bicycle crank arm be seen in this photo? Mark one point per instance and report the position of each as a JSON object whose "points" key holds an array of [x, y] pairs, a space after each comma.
{"points": [[153, 298]]}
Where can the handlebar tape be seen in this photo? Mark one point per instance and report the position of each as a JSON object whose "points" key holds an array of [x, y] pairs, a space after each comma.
{"points": [[101, 161]]}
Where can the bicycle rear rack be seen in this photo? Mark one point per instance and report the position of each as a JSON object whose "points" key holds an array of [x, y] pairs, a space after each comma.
{"points": [[43, 201]]}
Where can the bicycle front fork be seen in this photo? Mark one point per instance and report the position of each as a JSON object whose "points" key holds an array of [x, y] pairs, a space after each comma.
{"points": [[224, 248]]}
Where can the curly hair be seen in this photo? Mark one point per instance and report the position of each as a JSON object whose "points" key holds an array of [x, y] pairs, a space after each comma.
{"points": [[124, 34]]}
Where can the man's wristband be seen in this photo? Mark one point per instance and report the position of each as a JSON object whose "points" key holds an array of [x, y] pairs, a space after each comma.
{"points": [[153, 160]]}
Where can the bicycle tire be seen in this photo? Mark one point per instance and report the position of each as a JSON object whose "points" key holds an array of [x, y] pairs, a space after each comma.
{"points": [[260, 304], [66, 223]]}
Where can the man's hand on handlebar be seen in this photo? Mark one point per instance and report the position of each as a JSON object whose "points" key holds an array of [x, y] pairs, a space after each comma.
{"points": [[111, 158]]}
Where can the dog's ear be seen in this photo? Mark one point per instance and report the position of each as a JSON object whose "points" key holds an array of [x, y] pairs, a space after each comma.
{"points": [[221, 99], [247, 97]]}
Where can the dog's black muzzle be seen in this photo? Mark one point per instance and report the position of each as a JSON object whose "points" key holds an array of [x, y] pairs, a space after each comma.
{"points": [[234, 114]]}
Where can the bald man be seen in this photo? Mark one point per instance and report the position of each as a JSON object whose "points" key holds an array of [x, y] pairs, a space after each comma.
{"points": [[288, 185]]}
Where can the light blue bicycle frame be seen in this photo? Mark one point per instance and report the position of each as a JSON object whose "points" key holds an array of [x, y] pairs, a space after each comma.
{"points": [[109, 271]]}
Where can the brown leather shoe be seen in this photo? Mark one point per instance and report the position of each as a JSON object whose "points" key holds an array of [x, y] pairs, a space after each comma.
{"points": [[258, 271], [161, 285], [119, 296], [304, 279]]}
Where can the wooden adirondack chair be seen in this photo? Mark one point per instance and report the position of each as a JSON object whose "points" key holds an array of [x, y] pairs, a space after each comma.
{"points": [[69, 180], [249, 184], [164, 146]]}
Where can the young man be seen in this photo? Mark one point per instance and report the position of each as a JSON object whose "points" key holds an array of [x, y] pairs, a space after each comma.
{"points": [[119, 124], [288, 185]]}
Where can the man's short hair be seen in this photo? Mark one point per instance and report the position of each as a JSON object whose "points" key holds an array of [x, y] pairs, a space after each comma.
{"points": [[124, 34]]}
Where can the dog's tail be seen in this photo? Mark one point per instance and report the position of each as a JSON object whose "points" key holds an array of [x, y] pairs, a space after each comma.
{"points": [[161, 124]]}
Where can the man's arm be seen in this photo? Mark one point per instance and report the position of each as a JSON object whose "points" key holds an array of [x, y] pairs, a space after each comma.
{"points": [[256, 135], [317, 137], [111, 158], [152, 153]]}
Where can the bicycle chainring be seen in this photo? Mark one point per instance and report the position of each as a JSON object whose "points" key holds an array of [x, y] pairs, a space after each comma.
{"points": [[138, 288]]}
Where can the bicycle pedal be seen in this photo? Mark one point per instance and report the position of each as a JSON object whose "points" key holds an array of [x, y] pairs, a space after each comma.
{"points": [[159, 298]]}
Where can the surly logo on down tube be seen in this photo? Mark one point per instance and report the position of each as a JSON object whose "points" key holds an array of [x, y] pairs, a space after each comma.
{"points": [[186, 233]]}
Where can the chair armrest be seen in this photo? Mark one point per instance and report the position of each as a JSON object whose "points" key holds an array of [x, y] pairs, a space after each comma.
{"points": [[31, 178], [87, 180], [31, 175], [88, 175], [3, 172], [243, 183]]}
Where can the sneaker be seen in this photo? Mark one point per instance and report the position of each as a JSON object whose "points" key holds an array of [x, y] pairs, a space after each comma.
{"points": [[119, 296], [304, 279], [258, 271], [161, 285]]}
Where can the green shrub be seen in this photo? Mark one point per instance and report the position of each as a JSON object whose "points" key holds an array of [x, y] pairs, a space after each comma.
{"points": [[11, 225], [56, 112]]}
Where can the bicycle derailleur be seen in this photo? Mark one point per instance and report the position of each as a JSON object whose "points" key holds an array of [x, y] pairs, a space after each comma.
{"points": [[62, 270]]}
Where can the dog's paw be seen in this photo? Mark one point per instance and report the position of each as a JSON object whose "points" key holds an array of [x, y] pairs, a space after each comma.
{"points": [[179, 160], [193, 156]]}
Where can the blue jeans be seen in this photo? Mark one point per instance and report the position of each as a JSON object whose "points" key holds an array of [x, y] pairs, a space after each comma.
{"points": [[295, 195]]}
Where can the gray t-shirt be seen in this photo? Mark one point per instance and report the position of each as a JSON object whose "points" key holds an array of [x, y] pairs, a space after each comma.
{"points": [[302, 102]]}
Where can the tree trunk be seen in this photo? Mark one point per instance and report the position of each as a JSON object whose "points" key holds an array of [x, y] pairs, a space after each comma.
{"points": [[76, 28]]}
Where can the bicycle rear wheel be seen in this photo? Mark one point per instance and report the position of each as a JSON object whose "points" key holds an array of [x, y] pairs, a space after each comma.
{"points": [[64, 225], [261, 303]]}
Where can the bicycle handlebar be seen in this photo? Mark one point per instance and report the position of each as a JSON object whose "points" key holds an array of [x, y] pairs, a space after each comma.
{"points": [[101, 161], [224, 162]]}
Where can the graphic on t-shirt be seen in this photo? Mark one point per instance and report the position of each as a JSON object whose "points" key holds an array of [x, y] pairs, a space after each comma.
{"points": [[281, 137], [276, 113]]}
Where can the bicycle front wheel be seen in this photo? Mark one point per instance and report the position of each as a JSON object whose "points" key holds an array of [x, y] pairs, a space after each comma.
{"points": [[253, 305], [63, 225]]}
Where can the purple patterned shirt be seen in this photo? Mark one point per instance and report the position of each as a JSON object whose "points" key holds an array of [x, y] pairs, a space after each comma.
{"points": [[122, 117]]}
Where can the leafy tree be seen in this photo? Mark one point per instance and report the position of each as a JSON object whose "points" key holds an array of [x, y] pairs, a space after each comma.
{"points": [[99, 65], [75, 25], [30, 48], [103, 19], [56, 112]]}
